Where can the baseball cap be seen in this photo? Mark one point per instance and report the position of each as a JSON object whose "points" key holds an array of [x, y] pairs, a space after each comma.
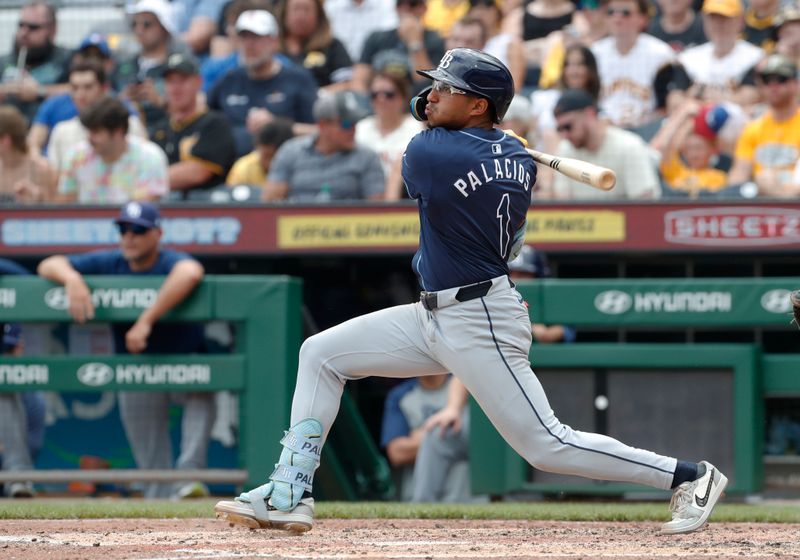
{"points": [[182, 63], [260, 22], [780, 65], [144, 214], [727, 8], [573, 100], [97, 41], [159, 8], [12, 336], [709, 120], [345, 106], [393, 63]]}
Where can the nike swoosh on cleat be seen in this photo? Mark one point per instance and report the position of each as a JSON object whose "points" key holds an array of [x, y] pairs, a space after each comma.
{"points": [[704, 500]]}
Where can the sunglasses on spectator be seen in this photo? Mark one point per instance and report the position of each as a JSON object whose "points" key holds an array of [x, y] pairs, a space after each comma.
{"points": [[566, 127], [135, 229], [30, 25], [441, 87], [144, 24], [347, 124], [624, 12], [773, 78], [386, 94]]}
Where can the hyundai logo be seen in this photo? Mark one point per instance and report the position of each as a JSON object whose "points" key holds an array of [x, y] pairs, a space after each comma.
{"points": [[777, 301], [613, 302], [56, 298], [95, 374]]}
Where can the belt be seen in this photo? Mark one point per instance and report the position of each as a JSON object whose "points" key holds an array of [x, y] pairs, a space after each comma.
{"points": [[435, 300]]}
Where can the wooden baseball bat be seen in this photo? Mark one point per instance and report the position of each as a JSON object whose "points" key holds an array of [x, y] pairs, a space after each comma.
{"points": [[593, 175]]}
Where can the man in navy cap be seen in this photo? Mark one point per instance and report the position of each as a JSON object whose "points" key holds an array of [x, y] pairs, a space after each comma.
{"points": [[145, 414]]}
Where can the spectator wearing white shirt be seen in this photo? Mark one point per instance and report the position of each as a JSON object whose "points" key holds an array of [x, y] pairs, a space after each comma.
{"points": [[352, 21], [587, 138], [722, 67], [628, 61], [390, 129]]}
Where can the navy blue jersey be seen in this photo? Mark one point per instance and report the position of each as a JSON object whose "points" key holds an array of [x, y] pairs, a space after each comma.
{"points": [[10, 267], [473, 188], [290, 93], [165, 338]]}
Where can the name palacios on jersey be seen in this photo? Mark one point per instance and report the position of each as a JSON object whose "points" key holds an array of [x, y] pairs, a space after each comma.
{"points": [[496, 168]]}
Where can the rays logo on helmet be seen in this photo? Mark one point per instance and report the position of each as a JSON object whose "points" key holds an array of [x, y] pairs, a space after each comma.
{"points": [[446, 60]]}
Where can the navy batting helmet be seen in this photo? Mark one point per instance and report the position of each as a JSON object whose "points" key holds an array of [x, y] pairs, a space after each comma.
{"points": [[478, 73], [531, 261]]}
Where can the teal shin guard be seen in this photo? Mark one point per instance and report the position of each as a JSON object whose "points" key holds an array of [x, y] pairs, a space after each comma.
{"points": [[294, 473]]}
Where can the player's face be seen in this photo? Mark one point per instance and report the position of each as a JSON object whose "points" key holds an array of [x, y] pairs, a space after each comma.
{"points": [[84, 89], [448, 107], [137, 243]]}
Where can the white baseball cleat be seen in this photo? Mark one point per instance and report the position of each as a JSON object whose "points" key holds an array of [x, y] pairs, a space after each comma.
{"points": [[692, 502], [299, 520]]}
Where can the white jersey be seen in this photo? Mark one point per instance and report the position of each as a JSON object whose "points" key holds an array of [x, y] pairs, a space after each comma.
{"points": [[389, 147], [627, 97], [723, 74], [625, 153]]}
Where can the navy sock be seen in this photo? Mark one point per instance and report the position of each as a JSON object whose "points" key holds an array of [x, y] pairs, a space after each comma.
{"points": [[686, 472]]}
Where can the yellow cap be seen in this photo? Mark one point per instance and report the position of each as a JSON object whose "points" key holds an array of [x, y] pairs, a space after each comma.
{"points": [[727, 8]]}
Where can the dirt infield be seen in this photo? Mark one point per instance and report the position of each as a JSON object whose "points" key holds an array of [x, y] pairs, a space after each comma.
{"points": [[147, 539]]}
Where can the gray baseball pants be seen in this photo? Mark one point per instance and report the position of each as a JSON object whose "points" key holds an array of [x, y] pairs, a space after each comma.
{"points": [[13, 433], [145, 417], [485, 343], [441, 469]]}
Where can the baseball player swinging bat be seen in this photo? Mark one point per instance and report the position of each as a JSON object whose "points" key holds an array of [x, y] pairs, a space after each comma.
{"points": [[593, 175]]}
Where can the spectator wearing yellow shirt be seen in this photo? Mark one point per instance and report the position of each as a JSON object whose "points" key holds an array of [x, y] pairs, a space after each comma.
{"points": [[769, 147], [252, 169], [687, 143], [443, 14]]}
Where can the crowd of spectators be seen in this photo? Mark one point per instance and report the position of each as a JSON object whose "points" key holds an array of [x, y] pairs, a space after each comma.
{"points": [[704, 93]]}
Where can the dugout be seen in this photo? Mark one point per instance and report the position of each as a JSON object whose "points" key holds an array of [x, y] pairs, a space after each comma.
{"points": [[345, 253], [266, 314]]}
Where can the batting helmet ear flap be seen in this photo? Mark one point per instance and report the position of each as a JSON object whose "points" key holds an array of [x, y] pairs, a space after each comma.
{"points": [[418, 103]]}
